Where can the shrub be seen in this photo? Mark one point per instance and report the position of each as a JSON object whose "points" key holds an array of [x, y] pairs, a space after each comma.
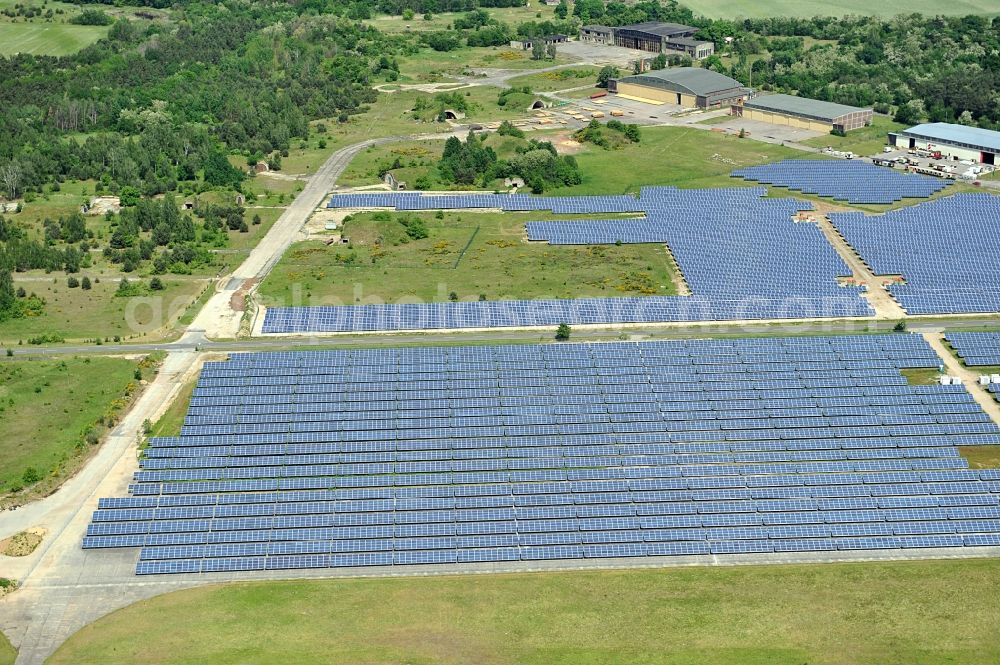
{"points": [[92, 17]]}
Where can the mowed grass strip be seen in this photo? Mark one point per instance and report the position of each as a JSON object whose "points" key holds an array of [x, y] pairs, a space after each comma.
{"points": [[47, 38], [902, 612], [678, 156], [807, 8], [469, 254], [7, 652], [172, 420], [46, 407]]}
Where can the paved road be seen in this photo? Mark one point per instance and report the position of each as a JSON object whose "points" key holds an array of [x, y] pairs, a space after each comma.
{"points": [[196, 340]]}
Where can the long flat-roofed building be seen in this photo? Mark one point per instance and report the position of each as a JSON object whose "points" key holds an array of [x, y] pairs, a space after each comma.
{"points": [[691, 87], [954, 141], [803, 113]]}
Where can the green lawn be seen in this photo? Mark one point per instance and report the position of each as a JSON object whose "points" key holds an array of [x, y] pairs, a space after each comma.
{"points": [[864, 141], [172, 420], [509, 15], [559, 79], [921, 377], [981, 457], [46, 406], [677, 156], [383, 265], [391, 115], [7, 652], [413, 156], [901, 612], [75, 314], [431, 66], [806, 8], [47, 38]]}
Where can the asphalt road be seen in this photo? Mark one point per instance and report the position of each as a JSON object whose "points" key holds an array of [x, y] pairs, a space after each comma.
{"points": [[196, 340]]}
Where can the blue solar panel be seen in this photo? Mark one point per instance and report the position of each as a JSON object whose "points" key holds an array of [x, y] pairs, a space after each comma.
{"points": [[851, 181], [799, 444], [946, 275], [775, 269]]}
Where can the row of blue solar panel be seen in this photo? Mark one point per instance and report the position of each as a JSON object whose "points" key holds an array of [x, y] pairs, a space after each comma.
{"points": [[552, 552], [773, 268], [758, 450], [341, 539], [943, 249], [851, 181], [721, 459], [978, 349]]}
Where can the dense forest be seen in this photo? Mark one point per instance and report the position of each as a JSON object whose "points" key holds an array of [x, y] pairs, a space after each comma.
{"points": [[158, 105]]}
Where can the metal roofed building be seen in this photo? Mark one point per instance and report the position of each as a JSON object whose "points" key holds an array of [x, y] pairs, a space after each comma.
{"points": [[803, 113], [658, 37], [954, 141], [690, 87]]}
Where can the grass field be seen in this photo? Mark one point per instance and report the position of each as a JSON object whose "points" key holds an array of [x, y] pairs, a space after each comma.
{"points": [[509, 15], [864, 141], [981, 457], [7, 652], [47, 38], [46, 406], [75, 314], [427, 65], [764, 8], [390, 115], [672, 156], [559, 79], [470, 254], [902, 612], [669, 156]]}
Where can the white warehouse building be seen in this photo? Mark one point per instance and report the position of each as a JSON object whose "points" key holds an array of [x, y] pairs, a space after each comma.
{"points": [[953, 141]]}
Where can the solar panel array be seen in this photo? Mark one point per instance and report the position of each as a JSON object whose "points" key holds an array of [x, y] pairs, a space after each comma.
{"points": [[745, 258], [853, 181], [741, 246], [454, 455], [506, 202], [976, 349], [946, 250]]}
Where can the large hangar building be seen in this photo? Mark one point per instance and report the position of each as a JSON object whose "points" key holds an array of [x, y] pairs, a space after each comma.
{"points": [[690, 87], [953, 141], [803, 113]]}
